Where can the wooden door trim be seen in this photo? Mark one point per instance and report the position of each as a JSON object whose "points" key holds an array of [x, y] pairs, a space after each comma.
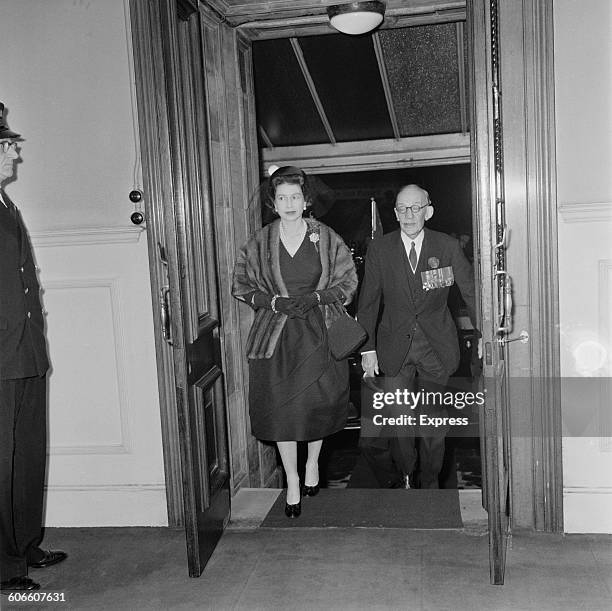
{"points": [[305, 12], [175, 171], [542, 220], [154, 137], [488, 191], [537, 487]]}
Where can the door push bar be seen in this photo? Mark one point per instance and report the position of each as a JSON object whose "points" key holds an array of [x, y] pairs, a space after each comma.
{"points": [[164, 301], [505, 322]]}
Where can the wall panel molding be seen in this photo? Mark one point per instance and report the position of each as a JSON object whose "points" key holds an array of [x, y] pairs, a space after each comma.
{"points": [[76, 236], [588, 510], [106, 505], [105, 487], [74, 450], [588, 490], [588, 212], [112, 286]]}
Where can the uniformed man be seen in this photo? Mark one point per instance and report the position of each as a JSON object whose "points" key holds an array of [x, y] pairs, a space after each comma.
{"points": [[23, 391]]}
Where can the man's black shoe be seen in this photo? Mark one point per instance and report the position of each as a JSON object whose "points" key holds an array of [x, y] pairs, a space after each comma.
{"points": [[49, 558], [19, 584]]}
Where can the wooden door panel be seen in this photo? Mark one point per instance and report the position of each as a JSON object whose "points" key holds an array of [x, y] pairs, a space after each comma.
{"points": [[168, 51], [205, 486], [497, 475], [203, 354], [204, 438], [491, 276]]}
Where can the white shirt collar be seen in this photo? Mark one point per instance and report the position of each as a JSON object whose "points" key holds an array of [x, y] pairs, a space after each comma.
{"points": [[418, 243]]}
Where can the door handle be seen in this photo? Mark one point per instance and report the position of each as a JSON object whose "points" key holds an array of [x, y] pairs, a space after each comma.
{"points": [[166, 320], [523, 338], [164, 299], [505, 318]]}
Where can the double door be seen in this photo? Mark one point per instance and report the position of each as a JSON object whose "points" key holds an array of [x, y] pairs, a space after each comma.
{"points": [[195, 101]]}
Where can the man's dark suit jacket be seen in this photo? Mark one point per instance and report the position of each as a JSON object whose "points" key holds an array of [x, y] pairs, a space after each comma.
{"points": [[406, 305], [23, 349]]}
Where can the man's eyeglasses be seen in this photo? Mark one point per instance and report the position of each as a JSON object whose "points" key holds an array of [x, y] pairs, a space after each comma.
{"points": [[5, 146], [415, 209]]}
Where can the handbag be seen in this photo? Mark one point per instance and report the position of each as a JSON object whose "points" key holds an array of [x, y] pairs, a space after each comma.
{"points": [[345, 335]]}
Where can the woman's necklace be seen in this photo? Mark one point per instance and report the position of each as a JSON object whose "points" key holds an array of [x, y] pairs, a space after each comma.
{"points": [[292, 236], [292, 242]]}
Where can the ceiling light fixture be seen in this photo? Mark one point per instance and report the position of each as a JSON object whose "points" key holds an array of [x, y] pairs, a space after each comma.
{"points": [[356, 17]]}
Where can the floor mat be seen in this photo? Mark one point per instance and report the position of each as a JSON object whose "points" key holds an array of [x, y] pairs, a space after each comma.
{"points": [[373, 508]]}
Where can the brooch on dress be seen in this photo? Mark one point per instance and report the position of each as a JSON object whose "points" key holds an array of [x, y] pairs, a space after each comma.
{"points": [[313, 234]]}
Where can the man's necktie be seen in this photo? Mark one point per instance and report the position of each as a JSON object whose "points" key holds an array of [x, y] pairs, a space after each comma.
{"points": [[412, 258]]}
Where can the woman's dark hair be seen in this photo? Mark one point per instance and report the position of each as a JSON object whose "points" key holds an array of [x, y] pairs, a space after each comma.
{"points": [[287, 175]]}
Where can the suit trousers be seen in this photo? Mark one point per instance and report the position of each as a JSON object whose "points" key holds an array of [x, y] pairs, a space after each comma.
{"points": [[23, 455], [394, 458]]}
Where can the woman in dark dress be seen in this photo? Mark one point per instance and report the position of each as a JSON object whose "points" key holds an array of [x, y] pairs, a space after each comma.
{"points": [[294, 273]]}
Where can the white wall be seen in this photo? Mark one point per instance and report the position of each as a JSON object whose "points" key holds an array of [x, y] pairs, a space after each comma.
{"points": [[66, 80], [583, 90]]}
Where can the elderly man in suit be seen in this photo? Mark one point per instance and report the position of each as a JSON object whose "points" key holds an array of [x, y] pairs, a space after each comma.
{"points": [[23, 393], [413, 340]]}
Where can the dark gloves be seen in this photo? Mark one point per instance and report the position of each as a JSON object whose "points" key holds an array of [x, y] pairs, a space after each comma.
{"points": [[294, 306], [287, 305], [304, 303], [324, 297], [258, 300], [332, 295]]}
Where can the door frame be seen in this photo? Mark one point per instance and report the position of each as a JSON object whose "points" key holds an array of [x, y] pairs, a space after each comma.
{"points": [[154, 136], [525, 54]]}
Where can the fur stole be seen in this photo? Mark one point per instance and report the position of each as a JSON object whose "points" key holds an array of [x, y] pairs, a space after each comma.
{"points": [[257, 268]]}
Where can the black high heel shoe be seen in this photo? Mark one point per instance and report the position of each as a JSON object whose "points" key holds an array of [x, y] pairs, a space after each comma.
{"points": [[293, 511], [310, 490]]}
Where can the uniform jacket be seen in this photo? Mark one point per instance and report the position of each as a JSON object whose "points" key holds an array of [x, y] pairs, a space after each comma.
{"points": [[23, 350], [258, 269], [406, 306]]}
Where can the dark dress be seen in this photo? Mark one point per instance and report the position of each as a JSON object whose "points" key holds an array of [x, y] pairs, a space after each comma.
{"points": [[301, 392]]}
